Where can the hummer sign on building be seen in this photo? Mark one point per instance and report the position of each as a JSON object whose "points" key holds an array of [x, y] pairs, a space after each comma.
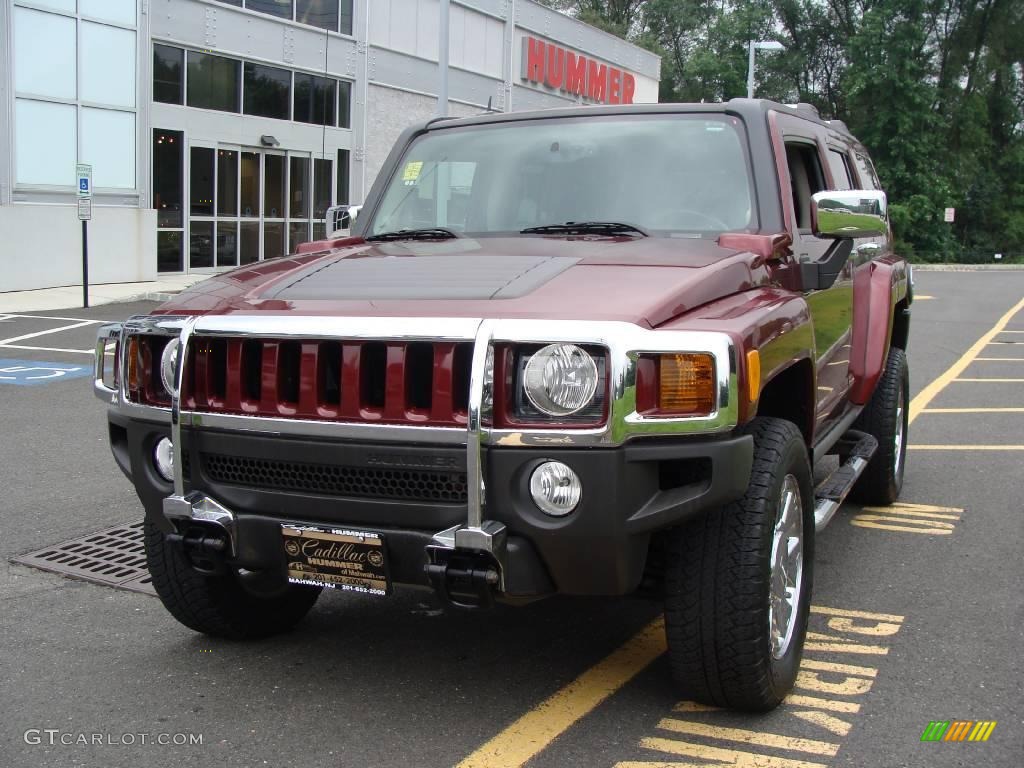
{"points": [[570, 72]]}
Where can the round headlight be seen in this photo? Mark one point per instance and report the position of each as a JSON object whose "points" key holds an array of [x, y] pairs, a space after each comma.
{"points": [[555, 488], [168, 364], [560, 379]]}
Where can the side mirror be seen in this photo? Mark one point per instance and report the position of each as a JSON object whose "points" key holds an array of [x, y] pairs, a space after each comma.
{"points": [[340, 218], [849, 214]]}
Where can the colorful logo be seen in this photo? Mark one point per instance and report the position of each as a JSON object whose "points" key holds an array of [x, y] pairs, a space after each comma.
{"points": [[958, 730]]}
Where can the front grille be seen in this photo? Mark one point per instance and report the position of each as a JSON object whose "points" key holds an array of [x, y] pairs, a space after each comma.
{"points": [[388, 382], [332, 480]]}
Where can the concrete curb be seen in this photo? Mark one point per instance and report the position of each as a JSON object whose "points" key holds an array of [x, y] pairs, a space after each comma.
{"points": [[968, 267]]}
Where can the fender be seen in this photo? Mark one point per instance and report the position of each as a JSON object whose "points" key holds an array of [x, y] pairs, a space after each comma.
{"points": [[876, 288], [775, 322]]}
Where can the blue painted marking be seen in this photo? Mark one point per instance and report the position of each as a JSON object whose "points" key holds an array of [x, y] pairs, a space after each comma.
{"points": [[30, 373]]}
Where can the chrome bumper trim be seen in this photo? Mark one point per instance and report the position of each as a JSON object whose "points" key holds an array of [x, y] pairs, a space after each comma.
{"points": [[199, 508]]}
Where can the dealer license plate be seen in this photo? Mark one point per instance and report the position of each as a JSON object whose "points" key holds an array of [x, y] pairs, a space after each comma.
{"points": [[336, 558]]}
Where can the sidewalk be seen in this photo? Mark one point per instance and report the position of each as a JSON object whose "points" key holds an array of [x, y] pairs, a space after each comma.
{"points": [[70, 297]]}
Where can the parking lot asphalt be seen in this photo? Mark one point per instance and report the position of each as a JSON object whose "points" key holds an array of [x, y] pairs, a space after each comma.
{"points": [[918, 611]]}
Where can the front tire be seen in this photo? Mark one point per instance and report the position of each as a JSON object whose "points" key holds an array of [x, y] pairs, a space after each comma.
{"points": [[218, 605], [738, 582]]}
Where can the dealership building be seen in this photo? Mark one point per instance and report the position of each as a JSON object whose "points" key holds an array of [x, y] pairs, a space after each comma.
{"points": [[219, 131]]}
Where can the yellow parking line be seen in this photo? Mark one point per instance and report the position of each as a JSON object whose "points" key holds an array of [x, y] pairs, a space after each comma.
{"points": [[926, 395], [973, 410], [749, 737], [966, 447], [535, 730], [1003, 381]]}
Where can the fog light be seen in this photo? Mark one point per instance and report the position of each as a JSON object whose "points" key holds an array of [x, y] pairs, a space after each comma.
{"points": [[555, 488], [163, 459]]}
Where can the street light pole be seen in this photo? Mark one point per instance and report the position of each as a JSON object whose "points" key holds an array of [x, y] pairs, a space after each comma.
{"points": [[442, 61], [752, 46], [750, 70]]}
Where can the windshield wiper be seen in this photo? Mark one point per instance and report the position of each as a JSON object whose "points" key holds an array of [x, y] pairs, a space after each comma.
{"points": [[584, 228], [429, 233]]}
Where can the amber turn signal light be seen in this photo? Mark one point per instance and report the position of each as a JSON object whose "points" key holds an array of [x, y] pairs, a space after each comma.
{"points": [[686, 384], [133, 378]]}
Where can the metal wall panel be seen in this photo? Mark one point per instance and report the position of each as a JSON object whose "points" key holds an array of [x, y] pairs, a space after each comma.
{"points": [[232, 31]]}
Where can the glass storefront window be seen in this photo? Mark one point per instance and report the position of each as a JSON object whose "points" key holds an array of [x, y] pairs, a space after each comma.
{"points": [[167, 178], [267, 91], [103, 76], [298, 233], [343, 176], [108, 140], [213, 82], [201, 182], [318, 13], [201, 245], [167, 68], [250, 184], [321, 188], [344, 104], [280, 8], [227, 243], [314, 99], [249, 242], [273, 186], [346, 17], [298, 197], [168, 252], [227, 182], [273, 239]]}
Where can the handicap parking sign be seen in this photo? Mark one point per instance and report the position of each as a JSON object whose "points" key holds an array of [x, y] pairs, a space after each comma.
{"points": [[30, 373]]}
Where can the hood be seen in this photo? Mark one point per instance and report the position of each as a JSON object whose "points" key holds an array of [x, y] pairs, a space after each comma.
{"points": [[643, 281]]}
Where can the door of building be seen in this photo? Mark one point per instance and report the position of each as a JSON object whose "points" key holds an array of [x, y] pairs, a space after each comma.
{"points": [[250, 203]]}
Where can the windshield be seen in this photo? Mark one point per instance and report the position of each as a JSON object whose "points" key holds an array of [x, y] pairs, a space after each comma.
{"points": [[667, 174]]}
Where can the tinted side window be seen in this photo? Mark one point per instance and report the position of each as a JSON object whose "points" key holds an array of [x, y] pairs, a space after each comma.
{"points": [[213, 82], [866, 171], [805, 178], [840, 167]]}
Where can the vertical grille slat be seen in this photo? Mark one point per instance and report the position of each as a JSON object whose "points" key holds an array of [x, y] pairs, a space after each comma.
{"points": [[268, 378], [351, 354], [441, 383], [233, 376], [309, 382], [387, 381]]}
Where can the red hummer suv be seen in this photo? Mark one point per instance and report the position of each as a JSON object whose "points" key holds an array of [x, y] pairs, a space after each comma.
{"points": [[563, 352]]}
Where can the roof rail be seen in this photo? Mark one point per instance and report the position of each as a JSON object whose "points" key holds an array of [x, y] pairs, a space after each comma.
{"points": [[806, 108], [839, 125]]}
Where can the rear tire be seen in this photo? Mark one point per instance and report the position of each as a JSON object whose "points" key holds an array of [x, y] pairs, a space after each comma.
{"points": [[885, 418], [219, 605], [726, 582]]}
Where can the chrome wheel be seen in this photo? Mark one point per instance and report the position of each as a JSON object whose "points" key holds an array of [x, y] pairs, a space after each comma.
{"points": [[787, 563], [898, 438]]}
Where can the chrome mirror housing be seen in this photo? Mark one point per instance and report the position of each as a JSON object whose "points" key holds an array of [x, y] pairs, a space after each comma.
{"points": [[849, 213], [340, 218]]}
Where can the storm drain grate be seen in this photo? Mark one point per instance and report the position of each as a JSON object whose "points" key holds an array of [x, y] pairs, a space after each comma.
{"points": [[113, 557]]}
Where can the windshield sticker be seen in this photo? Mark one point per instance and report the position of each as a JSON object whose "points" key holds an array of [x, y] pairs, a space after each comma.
{"points": [[412, 172]]}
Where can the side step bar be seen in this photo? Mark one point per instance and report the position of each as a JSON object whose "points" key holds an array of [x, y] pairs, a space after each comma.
{"points": [[858, 447]]}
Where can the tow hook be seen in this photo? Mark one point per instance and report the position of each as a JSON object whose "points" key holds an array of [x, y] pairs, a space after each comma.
{"points": [[204, 547], [462, 578]]}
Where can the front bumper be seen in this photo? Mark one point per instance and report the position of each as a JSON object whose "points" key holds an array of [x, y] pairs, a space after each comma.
{"points": [[629, 491]]}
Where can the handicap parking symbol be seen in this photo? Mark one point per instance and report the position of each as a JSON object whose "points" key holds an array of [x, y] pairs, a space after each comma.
{"points": [[30, 373]]}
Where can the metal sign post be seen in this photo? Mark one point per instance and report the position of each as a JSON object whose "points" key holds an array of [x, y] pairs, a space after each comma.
{"points": [[84, 173]]}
